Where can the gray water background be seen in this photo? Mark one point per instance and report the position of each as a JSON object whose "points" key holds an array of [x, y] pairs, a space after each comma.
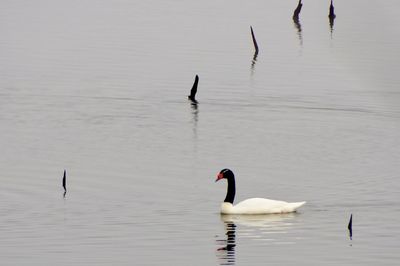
{"points": [[99, 88]]}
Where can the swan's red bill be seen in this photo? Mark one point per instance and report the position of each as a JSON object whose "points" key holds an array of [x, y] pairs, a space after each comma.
{"points": [[219, 177]]}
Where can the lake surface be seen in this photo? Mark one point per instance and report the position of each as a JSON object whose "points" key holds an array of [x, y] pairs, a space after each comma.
{"points": [[99, 88]]}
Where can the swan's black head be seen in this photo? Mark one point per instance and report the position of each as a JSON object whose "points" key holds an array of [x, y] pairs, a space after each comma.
{"points": [[230, 177], [225, 173]]}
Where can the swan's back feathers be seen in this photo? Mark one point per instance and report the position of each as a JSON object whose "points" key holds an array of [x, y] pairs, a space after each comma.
{"points": [[260, 206]]}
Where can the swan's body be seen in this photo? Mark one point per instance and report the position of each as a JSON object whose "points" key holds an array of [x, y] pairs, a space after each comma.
{"points": [[260, 206], [253, 205]]}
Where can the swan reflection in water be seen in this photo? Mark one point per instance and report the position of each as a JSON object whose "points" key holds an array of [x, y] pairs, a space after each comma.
{"points": [[260, 227], [226, 253]]}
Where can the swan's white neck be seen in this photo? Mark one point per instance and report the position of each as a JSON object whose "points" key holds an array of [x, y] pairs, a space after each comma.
{"points": [[226, 208]]}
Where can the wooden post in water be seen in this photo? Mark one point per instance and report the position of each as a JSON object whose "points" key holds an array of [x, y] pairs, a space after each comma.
{"points": [[64, 182], [193, 91], [350, 226], [296, 12], [331, 11], [254, 40]]}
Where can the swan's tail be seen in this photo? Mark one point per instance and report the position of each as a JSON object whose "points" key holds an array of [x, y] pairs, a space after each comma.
{"points": [[294, 205]]}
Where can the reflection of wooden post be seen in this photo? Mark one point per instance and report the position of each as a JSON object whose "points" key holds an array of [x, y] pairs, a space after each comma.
{"points": [[332, 11], [254, 40], [296, 12]]}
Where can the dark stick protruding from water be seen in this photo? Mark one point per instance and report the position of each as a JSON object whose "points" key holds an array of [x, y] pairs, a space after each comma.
{"points": [[296, 12], [296, 20], [350, 226], [193, 91], [254, 40], [64, 182], [331, 11]]}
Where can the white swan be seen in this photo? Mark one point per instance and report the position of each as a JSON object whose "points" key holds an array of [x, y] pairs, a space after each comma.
{"points": [[253, 205]]}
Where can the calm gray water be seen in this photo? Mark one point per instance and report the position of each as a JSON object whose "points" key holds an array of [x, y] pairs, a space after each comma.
{"points": [[99, 88]]}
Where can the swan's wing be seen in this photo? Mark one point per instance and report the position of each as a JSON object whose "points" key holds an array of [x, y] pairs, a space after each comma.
{"points": [[260, 203], [264, 206]]}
